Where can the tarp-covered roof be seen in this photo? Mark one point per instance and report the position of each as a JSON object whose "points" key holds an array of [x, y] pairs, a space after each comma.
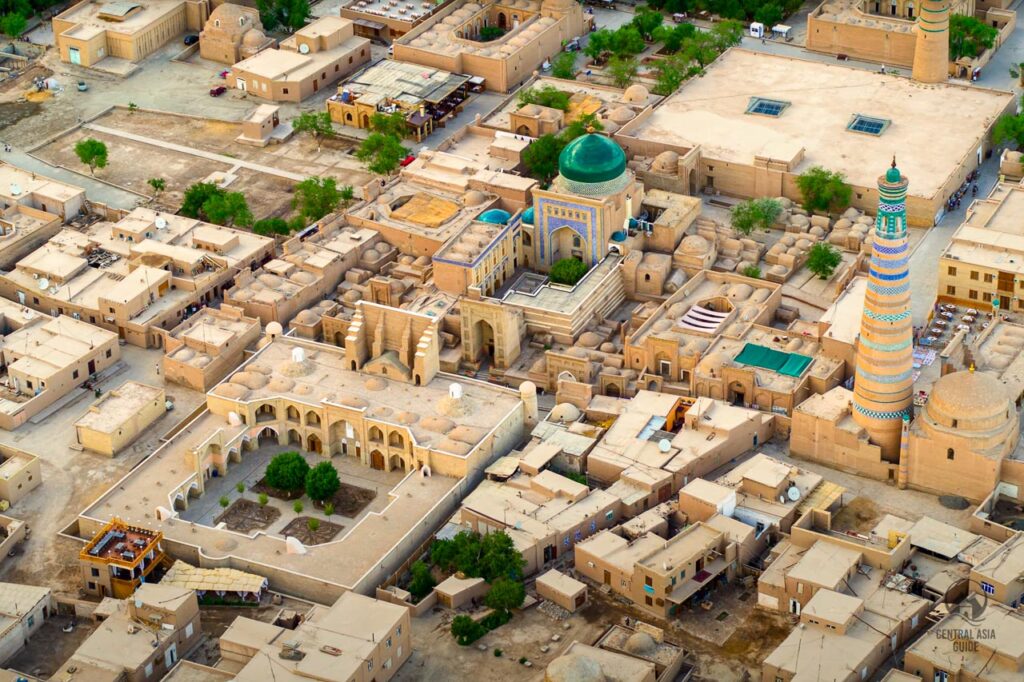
{"points": [[787, 364]]}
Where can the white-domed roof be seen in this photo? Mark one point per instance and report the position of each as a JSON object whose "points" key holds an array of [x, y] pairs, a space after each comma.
{"points": [[694, 244], [635, 94], [666, 162], [574, 667], [565, 413]]}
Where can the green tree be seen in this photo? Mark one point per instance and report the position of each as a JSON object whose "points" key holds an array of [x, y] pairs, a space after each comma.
{"points": [[465, 630], [546, 96], [460, 553], [316, 124], [622, 70], [381, 153], [505, 595], [768, 14], [224, 501], [969, 37], [647, 21], [599, 44], [13, 24], [287, 471], [422, 581], [581, 125], [92, 153], [499, 558], [240, 487], [823, 259], [673, 37], [347, 195], [671, 73], [132, 108], [393, 124], [228, 208], [489, 33], [158, 185], [823, 190], [289, 14], [316, 197], [567, 271], [701, 48], [541, 157], [564, 66], [311, 523], [751, 271], [755, 214], [726, 34], [322, 482], [328, 508], [196, 195], [269, 226], [627, 41], [1009, 128], [297, 507], [263, 498]]}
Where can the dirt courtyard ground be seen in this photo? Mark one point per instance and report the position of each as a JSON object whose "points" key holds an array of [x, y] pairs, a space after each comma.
{"points": [[130, 164], [437, 656], [76, 478], [138, 150]]}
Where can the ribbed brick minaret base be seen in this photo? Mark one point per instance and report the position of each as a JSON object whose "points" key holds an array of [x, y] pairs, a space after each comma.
{"points": [[931, 47]]}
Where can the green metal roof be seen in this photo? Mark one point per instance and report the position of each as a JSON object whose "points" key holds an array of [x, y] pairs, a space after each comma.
{"points": [[592, 159], [787, 364]]}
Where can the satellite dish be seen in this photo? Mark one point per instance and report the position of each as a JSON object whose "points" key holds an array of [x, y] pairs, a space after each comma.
{"points": [[793, 493], [664, 445], [43, 283], [161, 223], [304, 48]]}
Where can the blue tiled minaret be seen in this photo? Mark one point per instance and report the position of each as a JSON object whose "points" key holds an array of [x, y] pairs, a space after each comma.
{"points": [[883, 386]]}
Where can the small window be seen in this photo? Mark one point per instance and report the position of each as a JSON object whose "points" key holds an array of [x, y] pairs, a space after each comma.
{"points": [[284, 90], [988, 588], [766, 107], [74, 374], [868, 125], [96, 572], [989, 278], [951, 270], [972, 294], [950, 453], [951, 290], [108, 353], [974, 274]]}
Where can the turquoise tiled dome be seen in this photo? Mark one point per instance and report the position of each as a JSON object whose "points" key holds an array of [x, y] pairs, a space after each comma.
{"points": [[592, 159], [495, 216]]}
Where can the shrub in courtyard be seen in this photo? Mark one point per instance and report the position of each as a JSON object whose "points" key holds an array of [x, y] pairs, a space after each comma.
{"points": [[297, 507], [224, 501], [287, 471], [322, 482]]}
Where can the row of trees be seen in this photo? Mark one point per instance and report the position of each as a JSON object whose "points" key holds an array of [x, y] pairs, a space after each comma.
{"points": [[768, 12], [289, 472], [492, 557], [969, 37]]}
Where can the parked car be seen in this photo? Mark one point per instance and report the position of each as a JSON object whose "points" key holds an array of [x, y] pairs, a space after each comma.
{"points": [[191, 39], [218, 91], [573, 45], [82, 86]]}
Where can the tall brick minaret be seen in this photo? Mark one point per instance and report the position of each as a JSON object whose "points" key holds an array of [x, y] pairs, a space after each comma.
{"points": [[883, 385], [931, 48]]}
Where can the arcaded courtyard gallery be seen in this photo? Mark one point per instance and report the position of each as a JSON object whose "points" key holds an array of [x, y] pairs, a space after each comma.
{"points": [[412, 446]]}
